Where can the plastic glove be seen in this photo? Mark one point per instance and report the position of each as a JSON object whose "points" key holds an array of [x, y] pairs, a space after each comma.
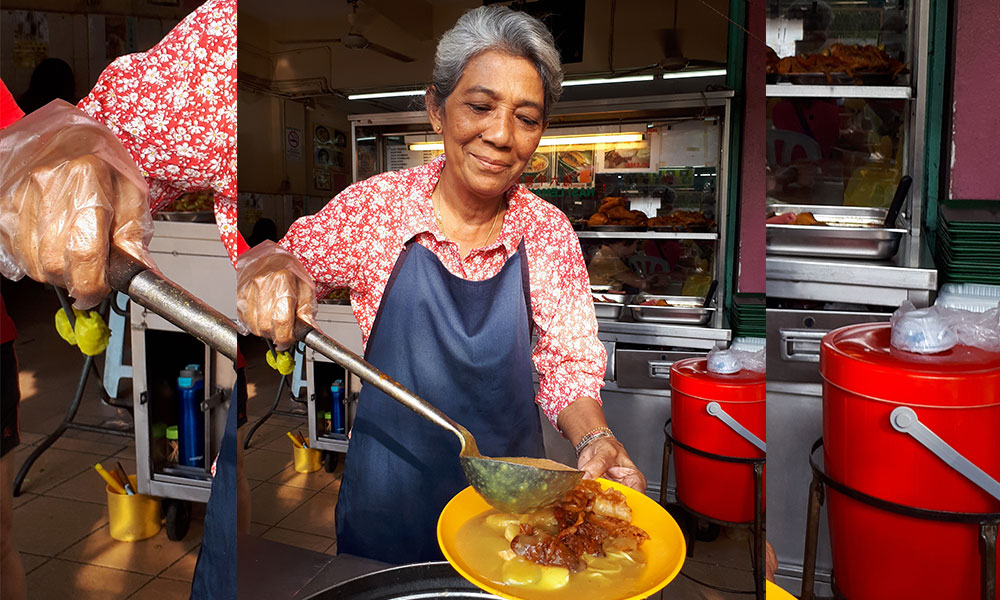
{"points": [[272, 290], [91, 334], [68, 189], [284, 363]]}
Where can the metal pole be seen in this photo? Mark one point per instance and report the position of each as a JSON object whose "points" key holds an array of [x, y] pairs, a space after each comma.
{"points": [[988, 556], [759, 560], [812, 538]]}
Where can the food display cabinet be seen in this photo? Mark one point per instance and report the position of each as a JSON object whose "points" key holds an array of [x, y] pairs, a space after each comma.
{"points": [[643, 181], [847, 101]]}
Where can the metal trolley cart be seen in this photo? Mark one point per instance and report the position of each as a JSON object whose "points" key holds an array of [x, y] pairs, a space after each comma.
{"points": [[192, 255], [320, 372]]}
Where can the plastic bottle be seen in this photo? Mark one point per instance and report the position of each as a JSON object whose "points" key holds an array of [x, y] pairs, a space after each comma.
{"points": [[191, 419], [337, 406]]}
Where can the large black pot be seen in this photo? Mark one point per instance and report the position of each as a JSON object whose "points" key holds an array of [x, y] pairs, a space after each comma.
{"points": [[422, 581]]}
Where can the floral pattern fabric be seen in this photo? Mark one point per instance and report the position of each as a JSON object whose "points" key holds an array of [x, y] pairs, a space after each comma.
{"points": [[174, 109], [355, 240]]}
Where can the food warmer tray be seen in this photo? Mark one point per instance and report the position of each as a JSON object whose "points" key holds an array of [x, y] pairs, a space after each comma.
{"points": [[608, 304], [687, 310], [852, 232]]}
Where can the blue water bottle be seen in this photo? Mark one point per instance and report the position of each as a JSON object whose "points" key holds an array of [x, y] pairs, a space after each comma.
{"points": [[191, 419], [337, 406]]}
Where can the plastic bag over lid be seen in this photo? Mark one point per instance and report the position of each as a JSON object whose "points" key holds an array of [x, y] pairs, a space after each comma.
{"points": [[939, 328], [726, 361]]}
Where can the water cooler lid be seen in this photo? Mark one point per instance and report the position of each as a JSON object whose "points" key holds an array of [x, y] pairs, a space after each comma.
{"points": [[692, 377], [860, 359]]}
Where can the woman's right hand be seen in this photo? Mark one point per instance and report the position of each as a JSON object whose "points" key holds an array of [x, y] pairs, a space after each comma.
{"points": [[272, 290], [68, 191]]}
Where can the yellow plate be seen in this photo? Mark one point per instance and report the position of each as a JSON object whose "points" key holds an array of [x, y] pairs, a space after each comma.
{"points": [[776, 593], [665, 549]]}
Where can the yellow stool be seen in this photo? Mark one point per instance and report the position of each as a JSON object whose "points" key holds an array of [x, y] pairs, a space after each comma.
{"points": [[307, 460], [132, 518]]}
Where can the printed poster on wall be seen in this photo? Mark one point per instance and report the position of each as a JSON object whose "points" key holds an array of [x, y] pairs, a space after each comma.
{"points": [[31, 38], [624, 157], [293, 143]]}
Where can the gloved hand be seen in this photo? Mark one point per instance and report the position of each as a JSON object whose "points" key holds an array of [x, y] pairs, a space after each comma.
{"points": [[272, 290], [68, 189]]}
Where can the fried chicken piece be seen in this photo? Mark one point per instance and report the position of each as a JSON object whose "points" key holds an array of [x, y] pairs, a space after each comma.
{"points": [[619, 213], [597, 219], [806, 218]]}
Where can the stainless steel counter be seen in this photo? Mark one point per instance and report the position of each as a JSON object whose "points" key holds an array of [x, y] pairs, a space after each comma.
{"points": [[794, 422], [909, 275], [662, 334]]}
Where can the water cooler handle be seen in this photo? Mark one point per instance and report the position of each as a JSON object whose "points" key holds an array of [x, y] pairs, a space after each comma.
{"points": [[716, 410], [904, 419]]}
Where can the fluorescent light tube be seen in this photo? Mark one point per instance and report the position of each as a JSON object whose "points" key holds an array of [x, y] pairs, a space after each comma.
{"points": [[386, 94], [691, 74], [562, 140], [600, 80]]}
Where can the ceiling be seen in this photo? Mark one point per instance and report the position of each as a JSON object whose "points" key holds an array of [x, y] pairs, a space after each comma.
{"points": [[269, 30]]}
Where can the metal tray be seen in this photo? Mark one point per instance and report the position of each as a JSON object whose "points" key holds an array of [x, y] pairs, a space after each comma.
{"points": [[609, 310], [685, 310], [188, 216], [852, 232]]}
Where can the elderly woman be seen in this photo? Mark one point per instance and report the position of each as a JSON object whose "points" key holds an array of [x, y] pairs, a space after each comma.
{"points": [[451, 267]]}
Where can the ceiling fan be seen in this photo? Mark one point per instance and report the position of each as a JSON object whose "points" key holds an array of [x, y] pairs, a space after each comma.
{"points": [[354, 39]]}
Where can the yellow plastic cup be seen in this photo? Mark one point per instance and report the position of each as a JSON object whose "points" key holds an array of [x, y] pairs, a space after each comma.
{"points": [[133, 518], [307, 460]]}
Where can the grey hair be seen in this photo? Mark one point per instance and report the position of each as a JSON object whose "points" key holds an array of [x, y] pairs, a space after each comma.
{"points": [[496, 28]]}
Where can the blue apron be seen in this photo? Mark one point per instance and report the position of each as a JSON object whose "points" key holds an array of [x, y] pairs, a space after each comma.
{"points": [[465, 347], [215, 571]]}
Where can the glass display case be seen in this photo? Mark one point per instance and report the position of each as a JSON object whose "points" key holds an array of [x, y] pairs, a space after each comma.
{"points": [[845, 106], [641, 180]]}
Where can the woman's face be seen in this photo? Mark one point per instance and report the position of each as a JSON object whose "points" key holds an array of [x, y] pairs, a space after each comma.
{"points": [[491, 123]]}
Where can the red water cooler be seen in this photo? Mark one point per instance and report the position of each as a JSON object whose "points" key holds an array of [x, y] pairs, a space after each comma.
{"points": [[891, 420], [707, 411]]}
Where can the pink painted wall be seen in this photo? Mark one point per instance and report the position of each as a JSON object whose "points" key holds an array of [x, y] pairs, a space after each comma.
{"points": [[752, 273], [975, 118]]}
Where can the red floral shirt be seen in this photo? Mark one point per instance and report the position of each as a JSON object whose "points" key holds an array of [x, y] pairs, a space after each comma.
{"points": [[174, 109], [355, 241]]}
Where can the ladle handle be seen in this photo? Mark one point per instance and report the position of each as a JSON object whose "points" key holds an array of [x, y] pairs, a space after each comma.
{"points": [[329, 348], [151, 290]]}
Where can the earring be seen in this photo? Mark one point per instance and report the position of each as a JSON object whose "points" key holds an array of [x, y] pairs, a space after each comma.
{"points": [[480, 136]]}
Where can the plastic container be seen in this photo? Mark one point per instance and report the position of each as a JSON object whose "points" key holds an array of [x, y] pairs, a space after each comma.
{"points": [[132, 518], [337, 406], [173, 448], [159, 445], [307, 460], [191, 419], [955, 394], [717, 489], [324, 423]]}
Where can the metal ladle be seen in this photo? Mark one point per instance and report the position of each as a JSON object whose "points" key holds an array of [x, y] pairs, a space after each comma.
{"points": [[158, 294], [509, 484]]}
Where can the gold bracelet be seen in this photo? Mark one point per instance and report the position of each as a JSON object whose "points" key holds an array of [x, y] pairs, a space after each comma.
{"points": [[591, 436]]}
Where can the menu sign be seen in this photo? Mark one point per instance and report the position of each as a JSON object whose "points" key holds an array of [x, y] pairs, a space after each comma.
{"points": [[401, 157], [624, 157]]}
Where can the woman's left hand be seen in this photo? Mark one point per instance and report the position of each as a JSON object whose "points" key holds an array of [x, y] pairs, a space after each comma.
{"points": [[606, 457]]}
